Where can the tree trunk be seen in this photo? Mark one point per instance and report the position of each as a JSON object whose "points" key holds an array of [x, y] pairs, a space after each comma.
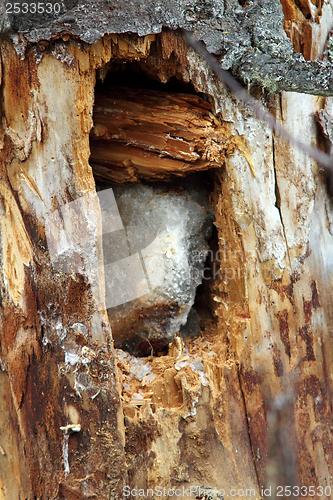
{"points": [[76, 420]]}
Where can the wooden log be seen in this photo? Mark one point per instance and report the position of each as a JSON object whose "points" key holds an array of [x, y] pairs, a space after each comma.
{"points": [[141, 134], [272, 293]]}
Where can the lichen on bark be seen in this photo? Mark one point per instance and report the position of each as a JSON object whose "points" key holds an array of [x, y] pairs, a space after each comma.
{"points": [[248, 38]]}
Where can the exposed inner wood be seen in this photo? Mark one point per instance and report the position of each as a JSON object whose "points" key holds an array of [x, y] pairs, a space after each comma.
{"points": [[307, 24], [149, 134], [271, 345]]}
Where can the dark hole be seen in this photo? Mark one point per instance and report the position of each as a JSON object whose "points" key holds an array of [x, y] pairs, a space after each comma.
{"points": [[243, 3], [204, 304], [202, 313], [138, 75], [152, 347]]}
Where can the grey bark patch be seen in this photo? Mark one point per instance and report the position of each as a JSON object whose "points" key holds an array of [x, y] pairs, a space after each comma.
{"points": [[249, 40]]}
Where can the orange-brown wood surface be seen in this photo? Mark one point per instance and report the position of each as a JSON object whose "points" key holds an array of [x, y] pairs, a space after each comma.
{"points": [[140, 134], [263, 411]]}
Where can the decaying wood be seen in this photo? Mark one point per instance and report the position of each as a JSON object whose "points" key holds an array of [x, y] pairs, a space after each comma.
{"points": [[324, 160], [307, 25], [140, 134], [44, 313], [271, 299]]}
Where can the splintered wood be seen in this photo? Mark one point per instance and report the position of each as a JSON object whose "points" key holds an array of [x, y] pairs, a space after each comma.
{"points": [[145, 134]]}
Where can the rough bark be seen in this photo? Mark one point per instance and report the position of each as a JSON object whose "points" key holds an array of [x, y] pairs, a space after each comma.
{"points": [[248, 38]]}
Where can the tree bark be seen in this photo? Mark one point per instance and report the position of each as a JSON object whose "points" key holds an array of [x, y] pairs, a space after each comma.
{"points": [[75, 420]]}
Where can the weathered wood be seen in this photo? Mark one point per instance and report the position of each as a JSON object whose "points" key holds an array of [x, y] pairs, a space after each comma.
{"points": [[43, 317], [271, 294], [140, 134], [307, 24]]}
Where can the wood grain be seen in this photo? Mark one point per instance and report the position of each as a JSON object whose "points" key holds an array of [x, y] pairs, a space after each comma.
{"points": [[140, 134]]}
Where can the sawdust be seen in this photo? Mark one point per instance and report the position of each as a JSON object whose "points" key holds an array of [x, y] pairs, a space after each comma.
{"points": [[173, 381]]}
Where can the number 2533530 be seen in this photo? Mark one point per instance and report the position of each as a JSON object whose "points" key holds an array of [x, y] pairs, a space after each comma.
{"points": [[303, 491], [34, 8]]}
